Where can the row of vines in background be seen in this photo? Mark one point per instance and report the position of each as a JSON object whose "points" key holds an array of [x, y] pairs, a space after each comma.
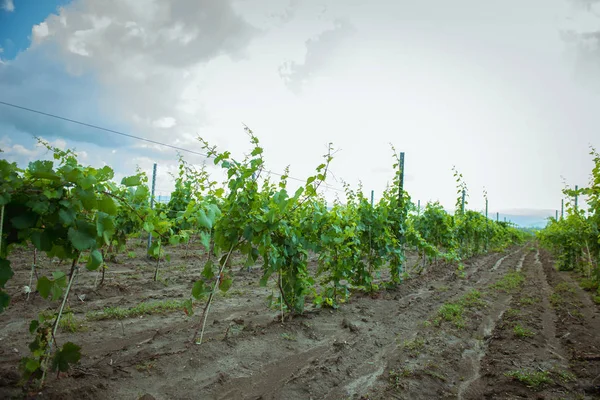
{"points": [[574, 239], [74, 212]]}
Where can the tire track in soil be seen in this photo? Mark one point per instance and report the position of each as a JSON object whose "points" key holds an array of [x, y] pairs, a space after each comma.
{"points": [[475, 354], [454, 353], [577, 329], [365, 359], [549, 317], [533, 354]]}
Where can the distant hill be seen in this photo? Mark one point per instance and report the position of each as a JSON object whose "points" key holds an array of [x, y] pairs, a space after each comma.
{"points": [[527, 218]]}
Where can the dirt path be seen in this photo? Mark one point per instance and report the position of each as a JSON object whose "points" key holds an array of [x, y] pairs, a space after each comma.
{"points": [[436, 336], [529, 354]]}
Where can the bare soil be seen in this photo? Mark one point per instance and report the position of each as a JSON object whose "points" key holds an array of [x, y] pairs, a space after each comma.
{"points": [[396, 344]]}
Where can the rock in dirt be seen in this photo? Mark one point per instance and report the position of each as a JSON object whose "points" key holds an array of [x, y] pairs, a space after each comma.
{"points": [[350, 325]]}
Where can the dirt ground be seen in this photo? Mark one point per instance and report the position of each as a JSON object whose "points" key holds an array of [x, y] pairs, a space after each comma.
{"points": [[510, 327]]}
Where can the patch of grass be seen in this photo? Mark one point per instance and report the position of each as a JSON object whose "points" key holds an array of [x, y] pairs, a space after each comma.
{"points": [[144, 308], [473, 300], [131, 254], [532, 379], [289, 336], [564, 287], [522, 332], [512, 312], [180, 268], [510, 282], [452, 312], [528, 300], [414, 345], [588, 284], [68, 322], [596, 299], [565, 376], [556, 300], [577, 314], [395, 377], [435, 374], [145, 366]]}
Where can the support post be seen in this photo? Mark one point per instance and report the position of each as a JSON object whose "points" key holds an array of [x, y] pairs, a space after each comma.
{"points": [[152, 200], [562, 208], [576, 196], [486, 209], [462, 206], [372, 197], [497, 217], [401, 188], [487, 229], [418, 207], [556, 216], [401, 205]]}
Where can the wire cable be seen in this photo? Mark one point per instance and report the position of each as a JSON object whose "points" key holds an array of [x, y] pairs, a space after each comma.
{"points": [[135, 137]]}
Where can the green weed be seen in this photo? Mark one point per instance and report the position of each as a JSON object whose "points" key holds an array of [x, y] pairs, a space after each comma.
{"points": [[289, 336], [435, 374], [588, 284], [510, 282], [414, 345], [533, 379], [565, 376], [529, 300], [564, 287], [395, 377], [68, 322], [556, 300], [144, 308], [473, 299], [452, 312], [145, 366], [522, 332], [512, 312]]}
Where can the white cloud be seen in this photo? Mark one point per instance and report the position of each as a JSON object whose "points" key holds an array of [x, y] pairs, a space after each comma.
{"points": [[165, 122], [25, 154], [39, 32], [144, 54], [319, 52], [8, 5]]}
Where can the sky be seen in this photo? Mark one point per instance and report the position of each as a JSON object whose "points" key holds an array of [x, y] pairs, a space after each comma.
{"points": [[506, 92]]}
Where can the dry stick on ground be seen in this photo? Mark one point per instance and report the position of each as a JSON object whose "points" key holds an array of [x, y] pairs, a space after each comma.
{"points": [[210, 297]]}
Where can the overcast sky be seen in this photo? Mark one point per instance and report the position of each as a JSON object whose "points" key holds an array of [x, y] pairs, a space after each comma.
{"points": [[506, 91]]}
